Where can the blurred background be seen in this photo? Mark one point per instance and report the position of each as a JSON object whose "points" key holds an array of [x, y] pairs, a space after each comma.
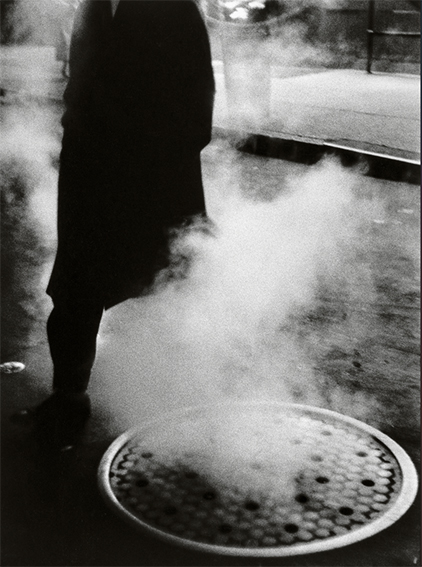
{"points": [[336, 28]]}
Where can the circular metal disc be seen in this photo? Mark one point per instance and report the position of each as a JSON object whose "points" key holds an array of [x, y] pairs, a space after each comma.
{"points": [[258, 479]]}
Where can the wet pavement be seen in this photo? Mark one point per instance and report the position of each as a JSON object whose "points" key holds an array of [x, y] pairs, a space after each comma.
{"points": [[52, 511]]}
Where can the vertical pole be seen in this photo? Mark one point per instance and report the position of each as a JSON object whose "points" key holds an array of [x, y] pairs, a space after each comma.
{"points": [[370, 34]]}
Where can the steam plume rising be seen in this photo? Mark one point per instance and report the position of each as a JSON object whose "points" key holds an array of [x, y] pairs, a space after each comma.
{"points": [[229, 328], [28, 196]]}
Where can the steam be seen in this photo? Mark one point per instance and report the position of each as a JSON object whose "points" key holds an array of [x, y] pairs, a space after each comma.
{"points": [[231, 319], [28, 195], [231, 327], [233, 448], [262, 265], [254, 54], [225, 323], [41, 22], [28, 150]]}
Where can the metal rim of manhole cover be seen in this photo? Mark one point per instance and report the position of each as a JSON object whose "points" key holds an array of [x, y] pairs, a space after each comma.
{"points": [[260, 479]]}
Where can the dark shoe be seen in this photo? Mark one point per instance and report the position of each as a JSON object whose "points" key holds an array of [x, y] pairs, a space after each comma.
{"points": [[60, 420]]}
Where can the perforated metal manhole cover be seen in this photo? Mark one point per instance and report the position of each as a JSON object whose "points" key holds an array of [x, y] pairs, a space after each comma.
{"points": [[262, 479]]}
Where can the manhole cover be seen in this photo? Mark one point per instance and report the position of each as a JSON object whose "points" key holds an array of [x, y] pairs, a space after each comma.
{"points": [[263, 479]]}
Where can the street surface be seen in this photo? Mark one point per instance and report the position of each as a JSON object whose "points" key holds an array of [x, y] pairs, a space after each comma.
{"points": [[366, 346]]}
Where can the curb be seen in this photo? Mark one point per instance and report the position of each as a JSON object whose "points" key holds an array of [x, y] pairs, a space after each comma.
{"points": [[405, 168]]}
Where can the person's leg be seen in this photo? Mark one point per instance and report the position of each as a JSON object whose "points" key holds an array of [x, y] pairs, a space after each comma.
{"points": [[72, 333], [72, 336]]}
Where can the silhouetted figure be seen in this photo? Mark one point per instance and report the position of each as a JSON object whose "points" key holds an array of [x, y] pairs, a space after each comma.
{"points": [[138, 113]]}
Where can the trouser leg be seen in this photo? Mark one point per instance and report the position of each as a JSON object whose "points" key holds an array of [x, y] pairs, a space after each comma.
{"points": [[72, 334]]}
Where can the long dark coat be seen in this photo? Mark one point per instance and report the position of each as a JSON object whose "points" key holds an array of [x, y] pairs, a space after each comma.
{"points": [[138, 113]]}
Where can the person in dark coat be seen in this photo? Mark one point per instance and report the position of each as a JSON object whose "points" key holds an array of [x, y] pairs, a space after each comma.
{"points": [[138, 113]]}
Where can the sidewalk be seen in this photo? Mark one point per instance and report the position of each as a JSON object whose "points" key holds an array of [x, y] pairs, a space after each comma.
{"points": [[375, 114], [349, 109], [299, 114]]}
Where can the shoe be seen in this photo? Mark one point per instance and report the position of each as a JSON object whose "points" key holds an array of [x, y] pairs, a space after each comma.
{"points": [[60, 420]]}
